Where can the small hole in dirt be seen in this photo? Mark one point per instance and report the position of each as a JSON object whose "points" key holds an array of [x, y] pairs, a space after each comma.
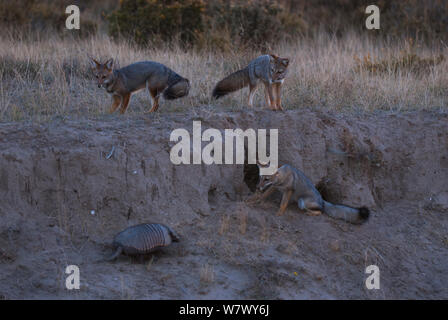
{"points": [[251, 176], [212, 195], [323, 189], [130, 212]]}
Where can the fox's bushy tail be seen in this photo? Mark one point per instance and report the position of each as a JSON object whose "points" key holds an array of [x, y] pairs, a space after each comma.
{"points": [[177, 88], [346, 213], [233, 82]]}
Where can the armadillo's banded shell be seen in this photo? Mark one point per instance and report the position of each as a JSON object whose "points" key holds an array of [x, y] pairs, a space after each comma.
{"points": [[144, 238]]}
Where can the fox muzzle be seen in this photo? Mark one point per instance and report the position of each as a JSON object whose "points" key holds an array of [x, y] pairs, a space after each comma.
{"points": [[264, 187]]}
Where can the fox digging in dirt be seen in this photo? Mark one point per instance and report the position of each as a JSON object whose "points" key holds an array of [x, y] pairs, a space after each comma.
{"points": [[157, 78], [270, 69], [296, 186]]}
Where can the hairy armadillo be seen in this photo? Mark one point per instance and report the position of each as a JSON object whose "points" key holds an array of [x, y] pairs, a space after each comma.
{"points": [[142, 239]]}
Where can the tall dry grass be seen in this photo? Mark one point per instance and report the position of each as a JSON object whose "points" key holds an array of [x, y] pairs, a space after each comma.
{"points": [[48, 78]]}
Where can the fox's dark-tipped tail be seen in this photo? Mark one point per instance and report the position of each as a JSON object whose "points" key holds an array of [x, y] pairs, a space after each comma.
{"points": [[233, 82], [178, 89], [364, 213], [346, 213]]}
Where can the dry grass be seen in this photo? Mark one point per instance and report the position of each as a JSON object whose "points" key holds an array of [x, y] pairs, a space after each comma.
{"points": [[265, 229], [44, 79], [207, 274], [224, 225], [242, 213]]}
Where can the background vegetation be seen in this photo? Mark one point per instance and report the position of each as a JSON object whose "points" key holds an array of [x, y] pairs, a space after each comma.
{"points": [[257, 21]]}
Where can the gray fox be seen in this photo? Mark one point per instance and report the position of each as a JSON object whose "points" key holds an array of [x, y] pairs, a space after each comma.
{"points": [[270, 69], [154, 76], [294, 184]]}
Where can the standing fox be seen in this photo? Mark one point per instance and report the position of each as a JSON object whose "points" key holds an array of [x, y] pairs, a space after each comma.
{"points": [[294, 184], [154, 76], [270, 69]]}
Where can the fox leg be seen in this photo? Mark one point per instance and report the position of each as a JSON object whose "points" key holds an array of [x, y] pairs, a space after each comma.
{"points": [[278, 97], [267, 97], [151, 97], [116, 100], [267, 193], [259, 197], [252, 88], [155, 96], [311, 207], [270, 91], [125, 103], [285, 201]]}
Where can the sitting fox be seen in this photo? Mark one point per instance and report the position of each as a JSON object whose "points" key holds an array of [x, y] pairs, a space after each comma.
{"points": [[270, 69], [295, 185], [154, 76]]}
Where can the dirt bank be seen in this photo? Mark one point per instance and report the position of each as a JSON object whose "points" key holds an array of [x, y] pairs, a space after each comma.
{"points": [[63, 199]]}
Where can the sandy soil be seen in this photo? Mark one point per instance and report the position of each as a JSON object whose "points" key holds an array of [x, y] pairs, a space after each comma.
{"points": [[53, 175]]}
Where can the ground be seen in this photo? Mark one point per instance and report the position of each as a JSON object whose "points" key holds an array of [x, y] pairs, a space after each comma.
{"points": [[64, 198]]}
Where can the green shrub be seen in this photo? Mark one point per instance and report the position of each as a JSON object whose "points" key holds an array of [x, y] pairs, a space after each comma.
{"points": [[256, 23], [150, 21], [194, 22]]}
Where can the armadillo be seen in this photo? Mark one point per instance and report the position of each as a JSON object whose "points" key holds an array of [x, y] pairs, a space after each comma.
{"points": [[143, 239]]}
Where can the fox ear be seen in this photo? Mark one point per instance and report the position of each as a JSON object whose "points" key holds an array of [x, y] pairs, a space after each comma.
{"points": [[94, 63], [109, 64], [285, 62]]}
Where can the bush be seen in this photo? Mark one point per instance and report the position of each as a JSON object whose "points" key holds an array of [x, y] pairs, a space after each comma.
{"points": [[257, 23], [194, 22], [423, 20], [151, 21]]}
